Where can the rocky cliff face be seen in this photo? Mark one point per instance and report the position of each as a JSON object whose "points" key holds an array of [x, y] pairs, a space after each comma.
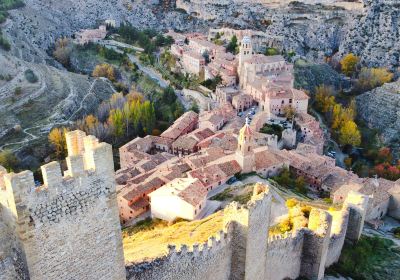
{"points": [[380, 109], [375, 34], [316, 31], [28, 109]]}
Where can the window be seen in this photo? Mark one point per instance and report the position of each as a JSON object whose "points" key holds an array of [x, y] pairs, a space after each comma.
{"points": [[248, 149], [200, 206], [195, 212]]}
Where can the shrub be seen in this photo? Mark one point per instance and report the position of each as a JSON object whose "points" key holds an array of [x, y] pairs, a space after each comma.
{"points": [[17, 90], [349, 64], [370, 78], [30, 76], [105, 70], [396, 232], [8, 160], [4, 44]]}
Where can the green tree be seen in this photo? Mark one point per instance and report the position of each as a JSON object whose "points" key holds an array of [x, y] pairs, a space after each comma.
{"points": [[148, 117], [116, 122], [300, 184], [8, 160], [233, 45], [195, 107]]}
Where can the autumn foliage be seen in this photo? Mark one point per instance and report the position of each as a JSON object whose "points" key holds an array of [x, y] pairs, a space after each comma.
{"points": [[370, 78], [384, 165], [349, 64], [106, 71], [57, 140], [340, 118]]}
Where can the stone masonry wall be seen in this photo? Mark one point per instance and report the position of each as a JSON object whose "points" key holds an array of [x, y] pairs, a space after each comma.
{"points": [[69, 227], [287, 250], [211, 260], [338, 235], [304, 253]]}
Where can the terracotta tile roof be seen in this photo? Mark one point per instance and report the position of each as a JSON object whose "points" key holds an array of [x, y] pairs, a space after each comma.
{"points": [[140, 189], [262, 59], [190, 190], [267, 159], [230, 168], [139, 204], [186, 142], [181, 124]]}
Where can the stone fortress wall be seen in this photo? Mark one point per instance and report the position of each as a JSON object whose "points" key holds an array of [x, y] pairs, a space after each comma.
{"points": [[69, 227], [244, 250]]}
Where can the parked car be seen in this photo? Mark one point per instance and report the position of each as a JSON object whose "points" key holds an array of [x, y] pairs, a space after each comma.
{"points": [[232, 180], [329, 154]]}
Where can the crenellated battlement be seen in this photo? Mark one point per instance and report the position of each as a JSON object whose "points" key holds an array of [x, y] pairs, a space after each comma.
{"points": [[89, 176], [72, 213], [213, 243], [245, 251]]}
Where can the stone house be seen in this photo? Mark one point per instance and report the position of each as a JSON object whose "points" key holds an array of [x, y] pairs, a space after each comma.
{"points": [[242, 102], [212, 121], [193, 62], [91, 35], [226, 94], [136, 200], [181, 198], [187, 144], [215, 175], [379, 191], [183, 125]]}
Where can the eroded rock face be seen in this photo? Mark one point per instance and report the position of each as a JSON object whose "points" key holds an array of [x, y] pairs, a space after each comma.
{"points": [[55, 98], [380, 109], [316, 31], [375, 35]]}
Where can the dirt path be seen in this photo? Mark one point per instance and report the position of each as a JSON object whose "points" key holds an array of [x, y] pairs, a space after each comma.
{"points": [[49, 124]]}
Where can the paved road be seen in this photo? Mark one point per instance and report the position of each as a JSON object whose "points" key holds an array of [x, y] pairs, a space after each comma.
{"points": [[340, 156], [159, 79], [114, 43]]}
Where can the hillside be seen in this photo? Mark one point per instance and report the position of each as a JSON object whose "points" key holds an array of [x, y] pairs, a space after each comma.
{"points": [[379, 108], [28, 109]]}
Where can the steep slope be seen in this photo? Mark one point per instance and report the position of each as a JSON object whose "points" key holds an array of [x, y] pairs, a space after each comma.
{"points": [[29, 109], [380, 109]]}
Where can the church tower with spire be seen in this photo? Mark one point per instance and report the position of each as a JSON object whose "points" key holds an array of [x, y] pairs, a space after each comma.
{"points": [[245, 153]]}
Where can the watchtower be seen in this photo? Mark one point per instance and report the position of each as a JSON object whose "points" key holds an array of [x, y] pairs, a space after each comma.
{"points": [[69, 228]]}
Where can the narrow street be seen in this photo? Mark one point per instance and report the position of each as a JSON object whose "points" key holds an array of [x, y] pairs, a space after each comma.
{"points": [[339, 156]]}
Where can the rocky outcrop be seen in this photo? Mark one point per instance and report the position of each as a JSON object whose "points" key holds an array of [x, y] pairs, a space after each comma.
{"points": [[316, 31], [375, 35], [380, 109]]}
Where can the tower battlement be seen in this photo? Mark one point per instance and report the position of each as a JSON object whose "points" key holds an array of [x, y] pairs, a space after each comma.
{"points": [[75, 213], [88, 163]]}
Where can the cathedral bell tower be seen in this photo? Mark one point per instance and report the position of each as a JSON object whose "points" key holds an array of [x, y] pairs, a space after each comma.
{"points": [[244, 153], [246, 52]]}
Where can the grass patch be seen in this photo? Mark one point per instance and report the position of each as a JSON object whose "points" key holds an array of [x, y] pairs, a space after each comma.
{"points": [[225, 195], [272, 129], [371, 258], [150, 239], [243, 198]]}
